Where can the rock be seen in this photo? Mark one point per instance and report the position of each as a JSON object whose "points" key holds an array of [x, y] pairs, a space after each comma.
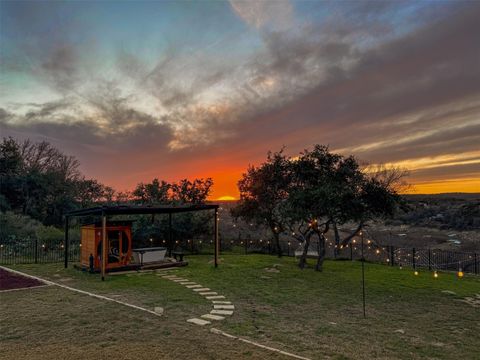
{"points": [[272, 270], [159, 310], [224, 307], [200, 322], [221, 312], [449, 292], [401, 331], [215, 297], [212, 317]]}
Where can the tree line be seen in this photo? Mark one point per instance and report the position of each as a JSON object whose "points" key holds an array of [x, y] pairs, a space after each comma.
{"points": [[316, 191], [39, 181]]}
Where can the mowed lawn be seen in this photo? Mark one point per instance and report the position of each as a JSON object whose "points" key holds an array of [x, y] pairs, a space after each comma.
{"points": [[312, 314]]}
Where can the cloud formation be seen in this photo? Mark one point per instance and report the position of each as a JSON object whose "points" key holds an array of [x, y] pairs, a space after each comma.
{"points": [[390, 82]]}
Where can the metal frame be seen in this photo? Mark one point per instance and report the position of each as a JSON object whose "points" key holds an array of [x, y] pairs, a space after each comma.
{"points": [[104, 211]]}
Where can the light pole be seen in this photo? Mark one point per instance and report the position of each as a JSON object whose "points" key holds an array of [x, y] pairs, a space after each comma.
{"points": [[363, 276]]}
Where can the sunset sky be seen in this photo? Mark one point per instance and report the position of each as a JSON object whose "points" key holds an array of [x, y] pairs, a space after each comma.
{"points": [[138, 90]]}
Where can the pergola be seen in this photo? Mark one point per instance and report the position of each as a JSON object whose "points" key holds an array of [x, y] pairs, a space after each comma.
{"points": [[105, 211]]}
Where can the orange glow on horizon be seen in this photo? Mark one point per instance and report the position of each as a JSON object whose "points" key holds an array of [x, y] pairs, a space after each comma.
{"points": [[226, 185], [226, 198], [471, 185]]}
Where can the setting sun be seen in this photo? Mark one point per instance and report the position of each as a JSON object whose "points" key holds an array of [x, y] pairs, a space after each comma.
{"points": [[226, 198]]}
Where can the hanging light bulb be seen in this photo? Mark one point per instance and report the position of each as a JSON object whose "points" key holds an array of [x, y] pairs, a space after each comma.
{"points": [[416, 273], [435, 274]]}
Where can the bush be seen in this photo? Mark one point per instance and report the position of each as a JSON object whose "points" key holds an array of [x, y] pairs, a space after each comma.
{"points": [[16, 229], [49, 233]]}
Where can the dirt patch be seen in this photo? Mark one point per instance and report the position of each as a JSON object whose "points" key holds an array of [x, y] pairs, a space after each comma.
{"points": [[10, 281]]}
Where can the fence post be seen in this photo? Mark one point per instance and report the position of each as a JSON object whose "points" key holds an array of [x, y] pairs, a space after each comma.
{"points": [[351, 252], [36, 250], [413, 258], [475, 263], [392, 255], [429, 259]]}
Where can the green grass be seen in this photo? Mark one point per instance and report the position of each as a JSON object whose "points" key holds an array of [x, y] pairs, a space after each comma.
{"points": [[305, 312]]}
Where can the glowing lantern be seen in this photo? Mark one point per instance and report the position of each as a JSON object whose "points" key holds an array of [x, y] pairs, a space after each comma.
{"points": [[435, 274], [460, 273], [416, 273]]}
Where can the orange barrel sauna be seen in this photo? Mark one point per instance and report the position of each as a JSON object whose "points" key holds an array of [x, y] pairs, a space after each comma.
{"points": [[119, 237]]}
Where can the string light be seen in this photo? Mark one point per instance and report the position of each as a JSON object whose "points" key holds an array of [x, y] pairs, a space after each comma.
{"points": [[416, 273], [435, 274], [460, 273]]}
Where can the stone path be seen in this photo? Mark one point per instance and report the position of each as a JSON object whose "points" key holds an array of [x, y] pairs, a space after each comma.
{"points": [[221, 307]]}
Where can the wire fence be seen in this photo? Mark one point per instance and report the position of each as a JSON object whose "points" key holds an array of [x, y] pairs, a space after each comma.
{"points": [[32, 251]]}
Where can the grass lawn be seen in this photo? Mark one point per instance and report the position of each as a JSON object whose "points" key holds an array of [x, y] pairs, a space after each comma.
{"points": [[317, 315]]}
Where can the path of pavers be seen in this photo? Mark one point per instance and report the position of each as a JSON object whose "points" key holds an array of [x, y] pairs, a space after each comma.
{"points": [[221, 307]]}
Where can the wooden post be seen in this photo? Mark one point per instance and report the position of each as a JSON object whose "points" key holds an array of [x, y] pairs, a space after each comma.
{"points": [[66, 244], [216, 237], [104, 245]]}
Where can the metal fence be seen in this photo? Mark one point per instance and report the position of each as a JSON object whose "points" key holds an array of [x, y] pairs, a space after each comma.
{"points": [[416, 258], [33, 251]]}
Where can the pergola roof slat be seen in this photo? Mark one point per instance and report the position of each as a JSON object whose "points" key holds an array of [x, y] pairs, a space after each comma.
{"points": [[131, 210]]}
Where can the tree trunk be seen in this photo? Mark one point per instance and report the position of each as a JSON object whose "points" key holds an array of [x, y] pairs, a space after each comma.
{"points": [[321, 253], [276, 236], [303, 258], [336, 249]]}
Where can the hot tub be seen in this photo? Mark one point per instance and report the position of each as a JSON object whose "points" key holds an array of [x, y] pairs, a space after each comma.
{"points": [[149, 255]]}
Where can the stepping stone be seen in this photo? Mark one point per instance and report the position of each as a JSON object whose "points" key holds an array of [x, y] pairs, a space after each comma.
{"points": [[224, 307], [200, 322], [168, 276], [194, 286], [215, 297], [222, 302], [212, 317], [188, 283], [159, 310], [179, 280], [201, 289], [208, 293], [221, 312]]}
